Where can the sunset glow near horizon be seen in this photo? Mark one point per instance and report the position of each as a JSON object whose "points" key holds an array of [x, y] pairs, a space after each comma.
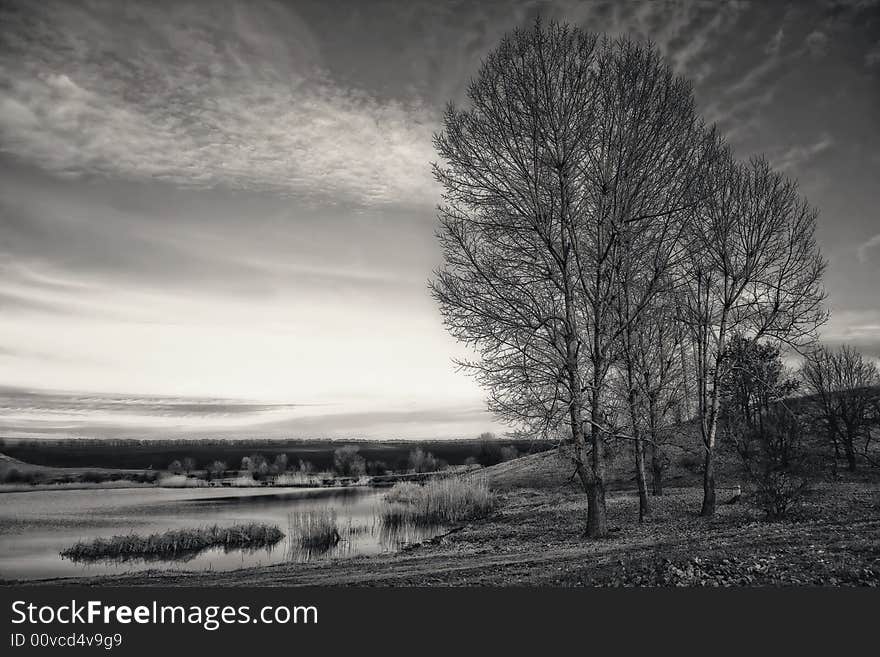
{"points": [[221, 223]]}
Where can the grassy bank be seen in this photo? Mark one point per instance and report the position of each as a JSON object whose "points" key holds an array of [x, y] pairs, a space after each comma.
{"points": [[176, 542]]}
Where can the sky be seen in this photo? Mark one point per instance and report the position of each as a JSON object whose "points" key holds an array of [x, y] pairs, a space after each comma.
{"points": [[217, 219]]}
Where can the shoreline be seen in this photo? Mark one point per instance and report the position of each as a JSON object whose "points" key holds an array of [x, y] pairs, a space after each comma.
{"points": [[536, 538]]}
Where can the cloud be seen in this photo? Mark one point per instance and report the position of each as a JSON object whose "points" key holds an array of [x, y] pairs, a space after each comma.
{"points": [[202, 99], [868, 248], [872, 57], [799, 155], [774, 46], [29, 412], [816, 43], [857, 328]]}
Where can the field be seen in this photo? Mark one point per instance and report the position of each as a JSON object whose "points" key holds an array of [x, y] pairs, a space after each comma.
{"points": [[534, 536]]}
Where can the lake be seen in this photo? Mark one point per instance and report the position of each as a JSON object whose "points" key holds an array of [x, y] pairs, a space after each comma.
{"points": [[36, 525]]}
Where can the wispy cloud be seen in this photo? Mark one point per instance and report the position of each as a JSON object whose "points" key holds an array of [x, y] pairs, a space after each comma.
{"points": [[798, 155], [867, 248], [872, 57], [817, 43], [191, 98]]}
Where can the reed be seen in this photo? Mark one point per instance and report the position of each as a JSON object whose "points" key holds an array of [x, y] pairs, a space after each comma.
{"points": [[316, 529], [175, 542], [437, 502]]}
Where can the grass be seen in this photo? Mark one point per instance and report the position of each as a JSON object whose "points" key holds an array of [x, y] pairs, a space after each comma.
{"points": [[175, 542], [439, 501], [316, 529]]}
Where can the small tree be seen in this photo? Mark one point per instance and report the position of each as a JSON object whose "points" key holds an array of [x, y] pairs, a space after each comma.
{"points": [[845, 389], [279, 465], [422, 461], [175, 467], [753, 269], [767, 431], [189, 464], [216, 469], [255, 465], [347, 462]]}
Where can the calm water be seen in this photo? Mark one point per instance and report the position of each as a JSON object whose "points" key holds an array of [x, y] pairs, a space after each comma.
{"points": [[36, 526]]}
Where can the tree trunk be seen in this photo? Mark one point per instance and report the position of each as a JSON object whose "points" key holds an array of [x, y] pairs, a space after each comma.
{"points": [[656, 468], [708, 508], [597, 525], [644, 506], [850, 452], [638, 448], [709, 427], [596, 519]]}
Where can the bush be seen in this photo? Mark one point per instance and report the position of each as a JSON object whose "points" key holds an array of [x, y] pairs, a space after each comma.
{"points": [[509, 452], [776, 463], [690, 461], [16, 476]]}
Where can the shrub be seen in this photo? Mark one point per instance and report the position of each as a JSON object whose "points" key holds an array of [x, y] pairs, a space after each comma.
{"points": [[509, 452], [438, 501], [16, 476], [690, 461], [775, 462], [92, 477]]}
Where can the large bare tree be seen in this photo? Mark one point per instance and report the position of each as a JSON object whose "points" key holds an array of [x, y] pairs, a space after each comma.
{"points": [[567, 182], [754, 270]]}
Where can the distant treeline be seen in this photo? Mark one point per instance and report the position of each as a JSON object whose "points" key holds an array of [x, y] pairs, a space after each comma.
{"points": [[157, 454]]}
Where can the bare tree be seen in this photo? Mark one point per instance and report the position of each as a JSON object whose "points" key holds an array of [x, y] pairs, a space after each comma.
{"points": [[566, 182], [655, 388], [846, 392], [755, 270]]}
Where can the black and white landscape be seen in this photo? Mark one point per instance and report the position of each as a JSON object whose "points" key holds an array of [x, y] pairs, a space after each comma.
{"points": [[440, 293]]}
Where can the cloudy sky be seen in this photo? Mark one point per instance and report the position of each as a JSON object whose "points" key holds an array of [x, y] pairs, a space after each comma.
{"points": [[217, 218]]}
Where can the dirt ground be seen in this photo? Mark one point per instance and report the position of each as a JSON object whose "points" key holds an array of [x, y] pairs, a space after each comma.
{"points": [[535, 537]]}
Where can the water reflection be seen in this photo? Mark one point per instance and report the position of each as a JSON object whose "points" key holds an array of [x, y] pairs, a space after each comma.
{"points": [[36, 526], [358, 537]]}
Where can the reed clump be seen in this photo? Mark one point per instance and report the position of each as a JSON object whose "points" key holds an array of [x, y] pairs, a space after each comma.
{"points": [[177, 542], [316, 529], [438, 502]]}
